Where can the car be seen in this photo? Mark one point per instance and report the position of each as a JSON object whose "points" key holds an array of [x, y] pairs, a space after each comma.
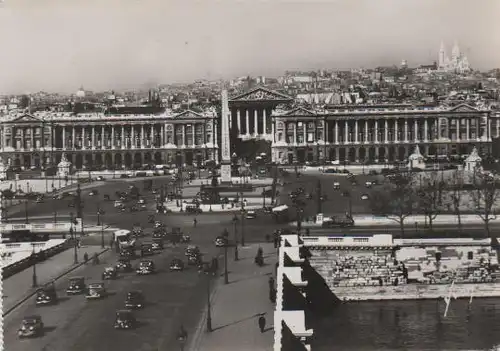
{"points": [[145, 267], [365, 197], [127, 253], [221, 241], [251, 215], [157, 244], [96, 291], [118, 203], [159, 234], [76, 286], [39, 200], [147, 249], [194, 260], [125, 319], [93, 193], [135, 299], [192, 250], [100, 178], [109, 273], [31, 326], [46, 295], [141, 202], [368, 184], [137, 230], [124, 265], [336, 185], [134, 208], [176, 265], [158, 224]]}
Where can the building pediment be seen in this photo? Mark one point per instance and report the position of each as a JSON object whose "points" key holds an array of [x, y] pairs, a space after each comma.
{"points": [[464, 108], [300, 111], [188, 115], [26, 118], [261, 94]]}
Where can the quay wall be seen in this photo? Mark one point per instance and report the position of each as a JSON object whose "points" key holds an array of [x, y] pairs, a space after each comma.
{"points": [[415, 291]]}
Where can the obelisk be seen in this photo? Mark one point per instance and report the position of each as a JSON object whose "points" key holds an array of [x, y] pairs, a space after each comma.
{"points": [[225, 168]]}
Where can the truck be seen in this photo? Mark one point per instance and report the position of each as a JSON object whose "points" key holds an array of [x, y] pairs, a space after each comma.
{"points": [[338, 221]]}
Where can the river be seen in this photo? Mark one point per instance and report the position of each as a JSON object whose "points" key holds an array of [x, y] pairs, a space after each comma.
{"points": [[410, 325]]}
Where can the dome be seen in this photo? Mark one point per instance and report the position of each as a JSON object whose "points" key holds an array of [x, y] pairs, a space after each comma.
{"points": [[80, 93]]}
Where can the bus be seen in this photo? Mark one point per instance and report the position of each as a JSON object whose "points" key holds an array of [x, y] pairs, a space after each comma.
{"points": [[124, 238], [281, 213]]}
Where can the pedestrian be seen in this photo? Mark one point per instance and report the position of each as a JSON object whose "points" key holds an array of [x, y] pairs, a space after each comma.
{"points": [[271, 283], [85, 257], [272, 295], [195, 222], [79, 243], [262, 323]]}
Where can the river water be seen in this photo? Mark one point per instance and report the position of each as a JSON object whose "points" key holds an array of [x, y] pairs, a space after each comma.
{"points": [[410, 325]]}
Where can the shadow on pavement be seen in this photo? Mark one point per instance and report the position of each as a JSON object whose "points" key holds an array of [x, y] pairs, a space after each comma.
{"points": [[239, 321], [249, 278]]}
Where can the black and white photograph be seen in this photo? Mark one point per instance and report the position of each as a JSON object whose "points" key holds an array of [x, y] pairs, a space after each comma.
{"points": [[250, 175]]}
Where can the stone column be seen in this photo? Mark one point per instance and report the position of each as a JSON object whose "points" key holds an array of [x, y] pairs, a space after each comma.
{"points": [[295, 133], [162, 134], [33, 146], [23, 139], [215, 136], [426, 130], [103, 130], [406, 130], [458, 129], [336, 132], [193, 131], [415, 130], [356, 132], [122, 138], [84, 140], [304, 131], [152, 136], [4, 143], [73, 137], [346, 132], [273, 131], [183, 131], [376, 132], [238, 120], [264, 122], [247, 121], [396, 131], [113, 138], [386, 132], [366, 131], [467, 129], [142, 136], [93, 138], [255, 122]]}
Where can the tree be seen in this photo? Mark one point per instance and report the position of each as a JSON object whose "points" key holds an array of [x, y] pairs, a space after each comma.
{"points": [[430, 197], [484, 196], [24, 101], [455, 195], [396, 199]]}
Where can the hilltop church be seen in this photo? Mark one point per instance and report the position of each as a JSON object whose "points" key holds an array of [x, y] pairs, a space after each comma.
{"points": [[458, 63]]}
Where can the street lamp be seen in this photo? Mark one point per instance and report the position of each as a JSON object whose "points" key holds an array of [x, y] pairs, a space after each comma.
{"points": [[55, 217], [26, 212], [73, 237], [242, 224], [100, 212], [226, 242], [235, 221], [34, 278]]}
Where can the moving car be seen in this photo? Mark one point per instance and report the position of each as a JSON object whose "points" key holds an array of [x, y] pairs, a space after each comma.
{"points": [[251, 215], [147, 249], [368, 184], [192, 250], [336, 185], [194, 260], [109, 273], [96, 291], [76, 286], [145, 267], [125, 319], [221, 241], [158, 224], [157, 244], [124, 265], [93, 193], [127, 253], [31, 326], [118, 203], [100, 178], [137, 230], [176, 265], [46, 295], [134, 299], [365, 197]]}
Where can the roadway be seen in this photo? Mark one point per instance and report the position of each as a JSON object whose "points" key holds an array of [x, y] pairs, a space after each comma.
{"points": [[175, 298]]}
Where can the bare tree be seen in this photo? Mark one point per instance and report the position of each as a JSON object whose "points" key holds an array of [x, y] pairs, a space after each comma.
{"points": [[484, 196], [429, 196], [455, 195], [395, 200]]}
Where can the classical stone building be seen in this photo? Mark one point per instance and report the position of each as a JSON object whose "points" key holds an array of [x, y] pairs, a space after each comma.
{"points": [[380, 134], [112, 141]]}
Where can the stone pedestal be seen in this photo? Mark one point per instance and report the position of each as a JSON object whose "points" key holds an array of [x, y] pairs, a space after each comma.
{"points": [[64, 167], [225, 173], [473, 161], [416, 160]]}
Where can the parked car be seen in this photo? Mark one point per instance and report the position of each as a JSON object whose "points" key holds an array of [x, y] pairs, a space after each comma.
{"points": [[147, 249], [96, 291], [76, 286], [124, 265], [251, 215], [221, 241], [157, 244], [125, 319], [31, 326], [135, 299], [46, 295]]}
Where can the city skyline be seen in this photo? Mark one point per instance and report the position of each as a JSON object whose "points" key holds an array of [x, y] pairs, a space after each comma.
{"points": [[110, 44]]}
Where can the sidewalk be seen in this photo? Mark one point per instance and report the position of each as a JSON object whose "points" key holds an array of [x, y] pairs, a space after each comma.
{"points": [[237, 306], [17, 287]]}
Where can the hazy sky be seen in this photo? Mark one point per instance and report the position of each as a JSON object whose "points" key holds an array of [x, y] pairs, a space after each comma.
{"points": [[58, 45]]}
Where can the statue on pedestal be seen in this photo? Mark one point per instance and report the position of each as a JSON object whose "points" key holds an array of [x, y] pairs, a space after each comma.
{"points": [[416, 160], [473, 161], [64, 167]]}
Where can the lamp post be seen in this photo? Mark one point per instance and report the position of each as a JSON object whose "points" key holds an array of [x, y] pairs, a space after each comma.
{"points": [[242, 224], [73, 237], [226, 277], [235, 228], [34, 278], [26, 212], [55, 217], [100, 213], [207, 273]]}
